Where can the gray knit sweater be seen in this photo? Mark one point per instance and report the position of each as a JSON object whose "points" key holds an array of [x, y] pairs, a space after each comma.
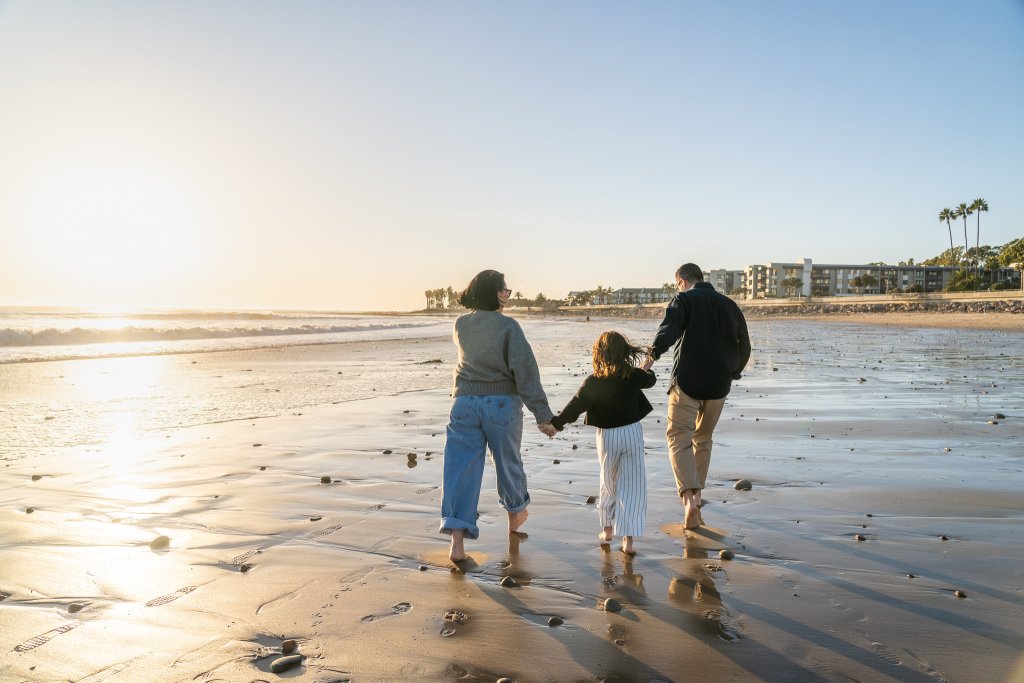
{"points": [[495, 358]]}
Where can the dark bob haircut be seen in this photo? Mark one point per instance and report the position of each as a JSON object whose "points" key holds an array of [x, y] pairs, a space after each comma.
{"points": [[481, 293]]}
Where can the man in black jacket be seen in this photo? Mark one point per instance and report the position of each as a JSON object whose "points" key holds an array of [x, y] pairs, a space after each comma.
{"points": [[711, 349]]}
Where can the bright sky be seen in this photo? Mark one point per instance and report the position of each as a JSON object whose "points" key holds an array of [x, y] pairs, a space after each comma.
{"points": [[350, 155]]}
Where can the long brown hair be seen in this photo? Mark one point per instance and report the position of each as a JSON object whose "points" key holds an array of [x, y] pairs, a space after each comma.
{"points": [[615, 356]]}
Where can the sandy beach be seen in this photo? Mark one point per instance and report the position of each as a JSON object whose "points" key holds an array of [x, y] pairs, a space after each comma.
{"points": [[881, 539]]}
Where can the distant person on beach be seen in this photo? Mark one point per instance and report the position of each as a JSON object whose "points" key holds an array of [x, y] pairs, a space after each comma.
{"points": [[614, 401], [711, 349], [496, 374]]}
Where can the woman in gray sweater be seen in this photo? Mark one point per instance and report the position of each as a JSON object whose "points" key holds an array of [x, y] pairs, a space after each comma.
{"points": [[495, 376]]}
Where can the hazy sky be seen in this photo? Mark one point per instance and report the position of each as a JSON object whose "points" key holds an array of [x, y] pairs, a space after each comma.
{"points": [[350, 155]]}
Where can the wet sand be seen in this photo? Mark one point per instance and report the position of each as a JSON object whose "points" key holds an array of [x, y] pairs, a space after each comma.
{"points": [[881, 540]]}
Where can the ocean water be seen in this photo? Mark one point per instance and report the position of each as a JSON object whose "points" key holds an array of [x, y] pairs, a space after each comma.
{"points": [[43, 334], [72, 377], [115, 379]]}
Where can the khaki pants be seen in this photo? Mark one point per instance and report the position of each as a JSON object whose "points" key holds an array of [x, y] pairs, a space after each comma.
{"points": [[690, 424]]}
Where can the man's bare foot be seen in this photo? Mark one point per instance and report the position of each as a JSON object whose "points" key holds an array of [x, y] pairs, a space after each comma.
{"points": [[457, 552], [516, 519], [606, 535], [691, 519], [627, 545]]}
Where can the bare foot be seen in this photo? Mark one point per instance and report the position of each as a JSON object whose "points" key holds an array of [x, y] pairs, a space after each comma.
{"points": [[627, 545], [457, 552], [692, 519], [606, 535], [516, 519]]}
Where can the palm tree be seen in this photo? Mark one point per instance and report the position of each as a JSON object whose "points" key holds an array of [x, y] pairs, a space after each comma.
{"points": [[948, 215], [978, 205], [963, 211]]}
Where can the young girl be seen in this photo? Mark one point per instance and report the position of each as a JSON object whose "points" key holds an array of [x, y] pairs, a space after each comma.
{"points": [[614, 402]]}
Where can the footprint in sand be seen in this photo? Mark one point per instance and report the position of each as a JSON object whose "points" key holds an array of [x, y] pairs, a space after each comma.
{"points": [[886, 654], [244, 557], [43, 639], [325, 532], [171, 597], [400, 608]]}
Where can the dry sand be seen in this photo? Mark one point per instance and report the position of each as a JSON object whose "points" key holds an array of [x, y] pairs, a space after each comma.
{"points": [[842, 430]]}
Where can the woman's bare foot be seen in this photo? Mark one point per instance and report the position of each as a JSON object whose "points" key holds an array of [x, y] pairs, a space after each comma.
{"points": [[627, 545], [692, 519], [516, 519], [606, 535], [457, 552]]}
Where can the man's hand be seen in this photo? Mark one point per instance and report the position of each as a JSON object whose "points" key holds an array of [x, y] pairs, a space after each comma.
{"points": [[648, 362], [547, 428]]}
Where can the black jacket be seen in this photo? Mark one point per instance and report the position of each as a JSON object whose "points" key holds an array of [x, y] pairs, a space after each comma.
{"points": [[609, 401], [712, 345]]}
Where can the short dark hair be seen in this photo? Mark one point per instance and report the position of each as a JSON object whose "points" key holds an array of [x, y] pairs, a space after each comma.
{"points": [[481, 293], [690, 272]]}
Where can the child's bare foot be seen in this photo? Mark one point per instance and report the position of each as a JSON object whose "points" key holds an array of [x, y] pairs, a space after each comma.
{"points": [[627, 545], [457, 552], [516, 519], [606, 535]]}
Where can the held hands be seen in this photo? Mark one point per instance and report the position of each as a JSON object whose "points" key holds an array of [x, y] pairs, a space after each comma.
{"points": [[648, 362], [548, 429]]}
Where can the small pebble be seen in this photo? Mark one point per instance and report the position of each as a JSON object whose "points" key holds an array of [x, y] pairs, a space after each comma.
{"points": [[284, 663], [998, 416], [76, 607], [859, 537], [423, 567], [947, 449], [256, 445], [620, 642], [508, 582], [556, 462], [387, 452], [315, 519], [263, 468], [742, 485], [555, 621], [506, 679], [993, 422], [591, 500], [943, 538], [574, 446], [160, 542], [325, 479], [245, 567], [411, 456], [36, 477], [960, 594], [612, 605], [726, 554], [29, 511], [289, 646], [911, 576]]}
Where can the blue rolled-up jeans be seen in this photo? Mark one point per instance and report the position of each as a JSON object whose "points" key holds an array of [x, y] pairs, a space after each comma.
{"points": [[478, 424]]}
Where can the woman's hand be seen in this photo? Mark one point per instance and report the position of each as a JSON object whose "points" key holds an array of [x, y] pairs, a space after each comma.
{"points": [[548, 429]]}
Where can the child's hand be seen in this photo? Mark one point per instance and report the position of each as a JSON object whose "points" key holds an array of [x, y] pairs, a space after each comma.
{"points": [[548, 429], [648, 362]]}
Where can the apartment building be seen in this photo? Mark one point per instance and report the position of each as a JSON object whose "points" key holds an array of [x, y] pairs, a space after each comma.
{"points": [[806, 278]]}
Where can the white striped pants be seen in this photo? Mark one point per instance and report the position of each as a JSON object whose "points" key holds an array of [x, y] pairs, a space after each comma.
{"points": [[622, 504]]}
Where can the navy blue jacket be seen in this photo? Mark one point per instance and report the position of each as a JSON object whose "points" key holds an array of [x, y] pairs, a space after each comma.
{"points": [[711, 342]]}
